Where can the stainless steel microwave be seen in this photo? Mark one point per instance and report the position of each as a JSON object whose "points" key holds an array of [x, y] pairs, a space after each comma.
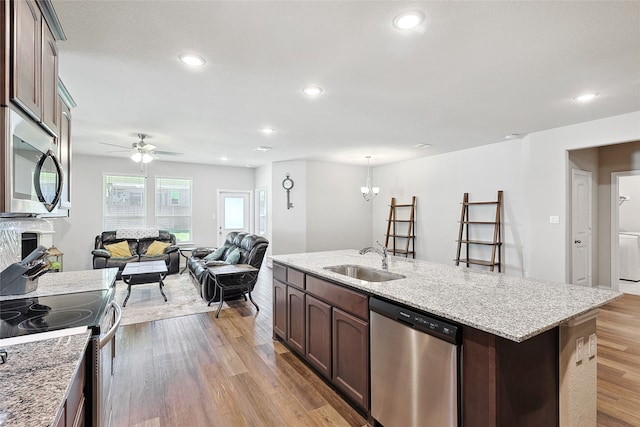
{"points": [[33, 177]]}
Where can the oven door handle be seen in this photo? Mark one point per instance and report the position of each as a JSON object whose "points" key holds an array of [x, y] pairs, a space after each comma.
{"points": [[114, 328]]}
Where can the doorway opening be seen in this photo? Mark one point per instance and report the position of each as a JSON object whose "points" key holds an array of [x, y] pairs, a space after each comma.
{"points": [[625, 231]]}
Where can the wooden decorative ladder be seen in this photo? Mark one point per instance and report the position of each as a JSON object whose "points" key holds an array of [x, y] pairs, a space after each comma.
{"points": [[463, 235], [401, 232]]}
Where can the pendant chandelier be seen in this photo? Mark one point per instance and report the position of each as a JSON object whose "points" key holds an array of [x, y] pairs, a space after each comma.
{"points": [[369, 192]]}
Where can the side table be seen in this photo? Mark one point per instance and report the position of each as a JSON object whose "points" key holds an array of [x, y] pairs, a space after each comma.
{"points": [[186, 252], [245, 275]]}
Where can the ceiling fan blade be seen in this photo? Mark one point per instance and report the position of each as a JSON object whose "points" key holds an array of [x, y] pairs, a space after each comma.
{"points": [[119, 151], [167, 153], [146, 147], [114, 145]]}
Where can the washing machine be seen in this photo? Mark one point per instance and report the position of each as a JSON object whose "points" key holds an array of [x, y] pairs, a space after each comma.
{"points": [[629, 255]]}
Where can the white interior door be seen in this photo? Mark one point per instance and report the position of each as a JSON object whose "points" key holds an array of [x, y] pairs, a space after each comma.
{"points": [[581, 227], [234, 213]]}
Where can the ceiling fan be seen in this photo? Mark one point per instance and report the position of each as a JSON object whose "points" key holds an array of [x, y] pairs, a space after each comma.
{"points": [[142, 152]]}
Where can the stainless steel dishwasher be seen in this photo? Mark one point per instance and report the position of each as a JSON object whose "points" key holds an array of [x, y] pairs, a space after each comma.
{"points": [[415, 368]]}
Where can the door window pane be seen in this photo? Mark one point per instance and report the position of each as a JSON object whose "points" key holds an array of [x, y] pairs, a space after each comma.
{"points": [[234, 212]]}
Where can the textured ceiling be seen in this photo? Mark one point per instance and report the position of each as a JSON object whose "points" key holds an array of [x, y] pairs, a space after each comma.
{"points": [[472, 73]]}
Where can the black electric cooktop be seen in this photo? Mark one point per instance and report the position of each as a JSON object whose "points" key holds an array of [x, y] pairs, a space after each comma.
{"points": [[49, 313]]}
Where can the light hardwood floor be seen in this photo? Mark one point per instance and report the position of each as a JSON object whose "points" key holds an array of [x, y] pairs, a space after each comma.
{"points": [[618, 330], [201, 371]]}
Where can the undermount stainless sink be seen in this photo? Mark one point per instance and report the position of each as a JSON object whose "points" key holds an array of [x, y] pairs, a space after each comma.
{"points": [[364, 273]]}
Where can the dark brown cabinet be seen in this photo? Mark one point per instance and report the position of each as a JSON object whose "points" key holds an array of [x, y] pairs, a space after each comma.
{"points": [[296, 319], [27, 56], [351, 356], [279, 308], [30, 60], [319, 335], [73, 410], [64, 155], [327, 324], [50, 104]]}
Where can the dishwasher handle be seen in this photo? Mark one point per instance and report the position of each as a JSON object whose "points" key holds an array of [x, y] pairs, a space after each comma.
{"points": [[104, 340]]}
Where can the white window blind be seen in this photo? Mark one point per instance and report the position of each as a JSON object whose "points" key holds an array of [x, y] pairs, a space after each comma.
{"points": [[124, 202], [173, 206]]}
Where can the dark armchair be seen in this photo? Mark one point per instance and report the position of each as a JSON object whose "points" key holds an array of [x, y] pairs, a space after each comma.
{"points": [[252, 250], [138, 247]]}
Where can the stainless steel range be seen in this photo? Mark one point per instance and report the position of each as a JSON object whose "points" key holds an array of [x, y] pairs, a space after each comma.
{"points": [[95, 310]]}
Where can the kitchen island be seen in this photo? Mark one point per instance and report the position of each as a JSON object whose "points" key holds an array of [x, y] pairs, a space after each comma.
{"points": [[43, 379], [519, 335]]}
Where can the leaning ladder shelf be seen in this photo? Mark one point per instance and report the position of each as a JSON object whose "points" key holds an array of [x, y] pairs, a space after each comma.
{"points": [[401, 232], [463, 235]]}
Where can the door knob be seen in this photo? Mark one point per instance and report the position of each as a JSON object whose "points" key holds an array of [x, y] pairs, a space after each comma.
{"points": [[577, 241]]}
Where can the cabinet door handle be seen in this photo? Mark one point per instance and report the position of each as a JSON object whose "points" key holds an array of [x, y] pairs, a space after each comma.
{"points": [[577, 241]]}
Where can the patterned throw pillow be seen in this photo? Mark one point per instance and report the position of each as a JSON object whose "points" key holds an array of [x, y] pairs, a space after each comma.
{"points": [[215, 255], [119, 250], [157, 248], [233, 257]]}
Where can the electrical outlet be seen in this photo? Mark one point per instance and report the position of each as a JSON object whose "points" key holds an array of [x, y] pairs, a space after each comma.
{"points": [[593, 346], [579, 349], [554, 219]]}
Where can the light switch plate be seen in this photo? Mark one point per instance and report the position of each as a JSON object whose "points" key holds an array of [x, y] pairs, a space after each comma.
{"points": [[579, 349], [593, 346], [554, 219]]}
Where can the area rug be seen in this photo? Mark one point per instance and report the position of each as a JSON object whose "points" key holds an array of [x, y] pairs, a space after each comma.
{"points": [[146, 303]]}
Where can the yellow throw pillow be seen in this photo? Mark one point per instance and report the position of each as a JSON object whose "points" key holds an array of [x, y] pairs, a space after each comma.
{"points": [[119, 250], [157, 248]]}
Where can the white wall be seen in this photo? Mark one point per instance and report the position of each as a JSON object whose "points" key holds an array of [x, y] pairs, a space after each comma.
{"points": [[549, 179], [338, 217], [263, 180], [439, 183], [629, 219], [328, 209], [75, 234]]}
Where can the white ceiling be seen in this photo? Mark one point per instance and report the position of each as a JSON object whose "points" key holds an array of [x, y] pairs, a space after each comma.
{"points": [[472, 73]]}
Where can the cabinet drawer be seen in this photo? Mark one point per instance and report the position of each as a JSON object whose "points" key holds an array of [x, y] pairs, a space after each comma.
{"points": [[343, 298], [280, 272], [295, 278]]}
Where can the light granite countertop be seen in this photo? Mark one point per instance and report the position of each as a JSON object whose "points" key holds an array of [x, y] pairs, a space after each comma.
{"points": [[67, 282], [35, 380], [512, 307]]}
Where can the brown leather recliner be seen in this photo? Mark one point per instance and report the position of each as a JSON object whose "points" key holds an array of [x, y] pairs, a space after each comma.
{"points": [[138, 247]]}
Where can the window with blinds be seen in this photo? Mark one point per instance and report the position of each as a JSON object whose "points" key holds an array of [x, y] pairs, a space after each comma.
{"points": [[173, 206], [124, 202]]}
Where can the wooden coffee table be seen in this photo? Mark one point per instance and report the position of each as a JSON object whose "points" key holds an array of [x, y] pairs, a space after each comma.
{"points": [[138, 273]]}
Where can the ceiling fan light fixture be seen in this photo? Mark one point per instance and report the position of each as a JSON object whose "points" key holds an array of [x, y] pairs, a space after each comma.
{"points": [[136, 157], [146, 158]]}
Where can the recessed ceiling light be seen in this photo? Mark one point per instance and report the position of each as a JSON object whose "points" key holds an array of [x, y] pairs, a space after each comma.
{"points": [[312, 90], [585, 97], [422, 145], [224, 159], [263, 148], [192, 60], [512, 136], [268, 131], [408, 20]]}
